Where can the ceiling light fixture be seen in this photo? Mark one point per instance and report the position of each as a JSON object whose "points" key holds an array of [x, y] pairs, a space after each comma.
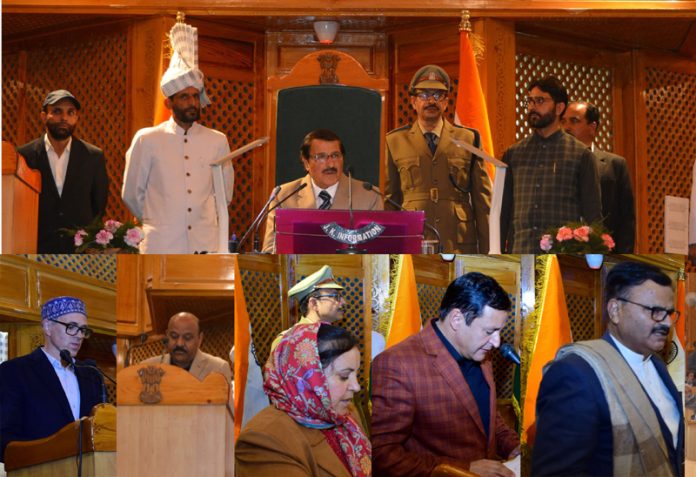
{"points": [[326, 31]]}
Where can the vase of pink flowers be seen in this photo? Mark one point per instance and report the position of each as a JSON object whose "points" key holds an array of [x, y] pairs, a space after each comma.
{"points": [[109, 236], [577, 238]]}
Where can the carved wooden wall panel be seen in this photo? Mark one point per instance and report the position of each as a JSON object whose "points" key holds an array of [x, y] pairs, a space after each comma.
{"points": [[670, 132]]}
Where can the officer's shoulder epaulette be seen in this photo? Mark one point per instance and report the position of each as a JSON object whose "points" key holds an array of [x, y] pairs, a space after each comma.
{"points": [[402, 128]]}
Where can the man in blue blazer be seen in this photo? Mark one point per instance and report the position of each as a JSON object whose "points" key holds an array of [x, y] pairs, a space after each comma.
{"points": [[609, 407], [40, 393], [74, 182]]}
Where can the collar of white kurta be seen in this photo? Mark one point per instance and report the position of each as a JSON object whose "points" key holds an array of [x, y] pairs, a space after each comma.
{"points": [[173, 128]]}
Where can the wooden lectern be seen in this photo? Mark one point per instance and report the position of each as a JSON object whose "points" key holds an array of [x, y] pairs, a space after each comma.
{"points": [[56, 454], [21, 187], [173, 424]]}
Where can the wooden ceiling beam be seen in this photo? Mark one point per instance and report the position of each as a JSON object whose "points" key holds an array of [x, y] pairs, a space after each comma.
{"points": [[337, 8]]}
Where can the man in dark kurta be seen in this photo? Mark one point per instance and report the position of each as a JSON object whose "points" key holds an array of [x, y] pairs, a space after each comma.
{"points": [[552, 178]]}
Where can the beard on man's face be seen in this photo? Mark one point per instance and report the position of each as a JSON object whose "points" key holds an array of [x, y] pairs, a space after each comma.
{"points": [[59, 131], [187, 115], [539, 121]]}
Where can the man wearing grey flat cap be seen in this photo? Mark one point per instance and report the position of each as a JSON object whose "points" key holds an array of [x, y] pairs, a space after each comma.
{"points": [[428, 170], [40, 393], [74, 182]]}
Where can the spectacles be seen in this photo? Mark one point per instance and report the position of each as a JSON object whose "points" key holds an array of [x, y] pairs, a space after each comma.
{"points": [[436, 95], [322, 156], [657, 313], [71, 329], [333, 296], [537, 100]]}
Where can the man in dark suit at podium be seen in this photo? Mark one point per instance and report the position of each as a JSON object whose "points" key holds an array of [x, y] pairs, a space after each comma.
{"points": [[74, 183], [324, 187], [40, 393]]}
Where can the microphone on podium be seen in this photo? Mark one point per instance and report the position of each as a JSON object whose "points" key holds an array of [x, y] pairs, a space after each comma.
{"points": [[508, 352], [165, 342], [255, 224], [88, 363]]}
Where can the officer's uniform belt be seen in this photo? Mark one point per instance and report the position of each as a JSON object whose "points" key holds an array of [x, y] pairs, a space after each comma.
{"points": [[433, 195]]}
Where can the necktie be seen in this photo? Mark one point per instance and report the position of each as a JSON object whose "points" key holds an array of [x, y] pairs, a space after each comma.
{"points": [[325, 200], [431, 139]]}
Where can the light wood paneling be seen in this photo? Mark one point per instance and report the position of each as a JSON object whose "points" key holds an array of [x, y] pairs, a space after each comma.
{"points": [[26, 284]]}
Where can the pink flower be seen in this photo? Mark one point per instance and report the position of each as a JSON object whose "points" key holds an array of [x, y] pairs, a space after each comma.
{"points": [[582, 234], [112, 225], [103, 237], [608, 241], [546, 242], [564, 233], [133, 237], [79, 237]]}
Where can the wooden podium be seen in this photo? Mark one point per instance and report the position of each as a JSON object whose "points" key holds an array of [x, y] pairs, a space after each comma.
{"points": [[21, 186], [173, 424], [55, 454]]}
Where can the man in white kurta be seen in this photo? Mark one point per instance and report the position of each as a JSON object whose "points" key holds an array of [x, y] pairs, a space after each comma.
{"points": [[168, 181], [168, 185]]}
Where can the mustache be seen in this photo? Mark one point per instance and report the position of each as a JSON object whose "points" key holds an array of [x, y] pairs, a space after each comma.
{"points": [[330, 170], [662, 329], [178, 348]]}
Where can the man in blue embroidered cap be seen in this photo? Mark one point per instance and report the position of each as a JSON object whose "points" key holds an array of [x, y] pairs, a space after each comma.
{"points": [[320, 298], [40, 393]]}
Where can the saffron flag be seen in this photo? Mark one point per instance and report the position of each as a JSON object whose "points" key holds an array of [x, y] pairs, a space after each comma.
{"points": [[470, 109], [242, 341], [404, 316], [552, 332]]}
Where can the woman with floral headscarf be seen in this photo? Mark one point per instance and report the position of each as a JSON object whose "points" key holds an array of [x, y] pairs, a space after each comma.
{"points": [[308, 430]]}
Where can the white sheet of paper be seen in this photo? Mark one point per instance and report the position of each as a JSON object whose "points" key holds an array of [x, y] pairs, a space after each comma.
{"points": [[676, 225], [514, 465]]}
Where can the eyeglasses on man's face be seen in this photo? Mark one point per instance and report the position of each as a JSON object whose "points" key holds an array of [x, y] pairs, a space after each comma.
{"points": [[536, 100], [323, 157], [657, 313], [332, 296], [71, 329], [426, 95]]}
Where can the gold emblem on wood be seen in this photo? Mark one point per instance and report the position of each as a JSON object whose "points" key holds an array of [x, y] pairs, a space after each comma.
{"points": [[329, 64], [151, 377]]}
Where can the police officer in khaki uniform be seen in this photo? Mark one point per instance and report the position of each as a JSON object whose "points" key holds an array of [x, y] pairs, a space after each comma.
{"points": [[428, 171], [320, 298]]}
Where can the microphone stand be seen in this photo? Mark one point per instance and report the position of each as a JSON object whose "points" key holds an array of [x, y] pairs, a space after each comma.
{"points": [[254, 225], [351, 249], [369, 186], [298, 189]]}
